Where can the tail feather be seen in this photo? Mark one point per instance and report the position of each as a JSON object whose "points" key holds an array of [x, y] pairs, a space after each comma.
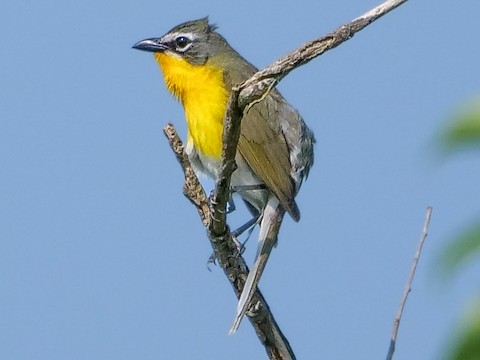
{"points": [[271, 220]]}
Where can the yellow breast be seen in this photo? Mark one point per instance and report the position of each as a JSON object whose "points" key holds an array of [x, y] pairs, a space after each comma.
{"points": [[202, 92]]}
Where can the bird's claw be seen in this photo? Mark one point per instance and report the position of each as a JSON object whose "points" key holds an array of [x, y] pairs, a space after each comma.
{"points": [[212, 259]]}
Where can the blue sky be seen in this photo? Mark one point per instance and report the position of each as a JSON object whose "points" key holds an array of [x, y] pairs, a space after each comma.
{"points": [[101, 256]]}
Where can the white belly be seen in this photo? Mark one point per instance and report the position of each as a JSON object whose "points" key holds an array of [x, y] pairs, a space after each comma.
{"points": [[241, 177]]}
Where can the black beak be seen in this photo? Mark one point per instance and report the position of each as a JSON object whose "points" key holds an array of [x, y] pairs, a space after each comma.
{"points": [[152, 45]]}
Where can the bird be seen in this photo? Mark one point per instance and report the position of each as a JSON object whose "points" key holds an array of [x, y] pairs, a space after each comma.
{"points": [[275, 149]]}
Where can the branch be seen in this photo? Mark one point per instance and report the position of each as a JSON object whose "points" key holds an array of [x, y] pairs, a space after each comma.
{"points": [[408, 285], [192, 188], [253, 89], [226, 253], [213, 213]]}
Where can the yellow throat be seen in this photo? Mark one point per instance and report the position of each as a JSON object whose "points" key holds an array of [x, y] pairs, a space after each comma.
{"points": [[202, 93]]}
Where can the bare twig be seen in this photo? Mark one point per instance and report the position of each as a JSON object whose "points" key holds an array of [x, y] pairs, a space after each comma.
{"points": [[408, 285], [254, 87], [213, 213]]}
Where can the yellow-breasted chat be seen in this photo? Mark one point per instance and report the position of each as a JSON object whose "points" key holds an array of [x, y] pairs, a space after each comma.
{"points": [[275, 149]]}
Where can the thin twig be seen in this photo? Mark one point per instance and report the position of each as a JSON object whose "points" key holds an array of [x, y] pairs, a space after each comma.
{"points": [[408, 285], [254, 87]]}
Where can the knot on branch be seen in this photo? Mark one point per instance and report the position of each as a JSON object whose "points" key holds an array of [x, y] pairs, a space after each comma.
{"points": [[251, 93]]}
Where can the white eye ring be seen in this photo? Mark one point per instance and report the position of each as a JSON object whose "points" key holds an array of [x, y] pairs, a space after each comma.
{"points": [[182, 43]]}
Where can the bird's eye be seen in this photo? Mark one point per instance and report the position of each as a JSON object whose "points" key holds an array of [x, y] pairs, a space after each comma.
{"points": [[182, 42]]}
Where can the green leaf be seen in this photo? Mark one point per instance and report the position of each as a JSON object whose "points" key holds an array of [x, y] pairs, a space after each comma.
{"points": [[461, 249], [463, 131], [466, 344]]}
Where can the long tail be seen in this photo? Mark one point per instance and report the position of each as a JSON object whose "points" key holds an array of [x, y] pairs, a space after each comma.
{"points": [[271, 220]]}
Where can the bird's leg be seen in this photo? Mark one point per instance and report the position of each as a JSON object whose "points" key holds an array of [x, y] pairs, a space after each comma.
{"points": [[249, 225], [230, 204], [239, 188]]}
